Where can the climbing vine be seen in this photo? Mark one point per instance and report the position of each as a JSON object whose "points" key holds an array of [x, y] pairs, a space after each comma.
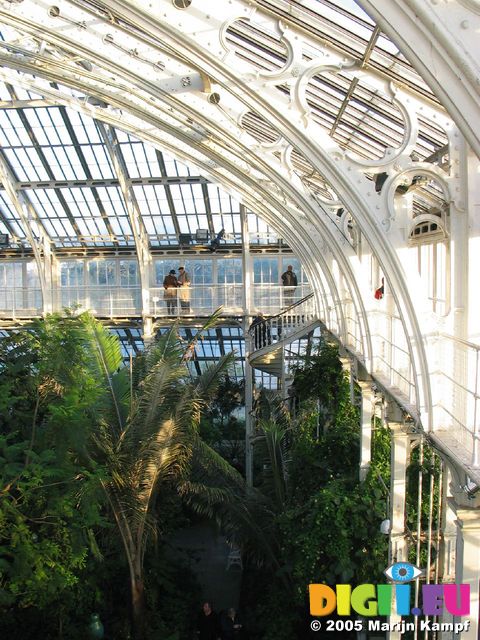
{"points": [[329, 525]]}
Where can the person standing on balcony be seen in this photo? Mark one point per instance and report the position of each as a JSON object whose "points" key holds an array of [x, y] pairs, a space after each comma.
{"points": [[184, 293], [289, 281], [170, 284]]}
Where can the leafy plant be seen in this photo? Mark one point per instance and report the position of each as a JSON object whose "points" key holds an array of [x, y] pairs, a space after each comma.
{"points": [[326, 522], [88, 448]]}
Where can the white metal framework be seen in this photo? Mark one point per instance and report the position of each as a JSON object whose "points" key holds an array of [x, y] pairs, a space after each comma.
{"points": [[352, 138]]}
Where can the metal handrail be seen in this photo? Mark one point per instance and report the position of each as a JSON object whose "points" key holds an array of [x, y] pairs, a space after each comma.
{"points": [[283, 326], [284, 312]]}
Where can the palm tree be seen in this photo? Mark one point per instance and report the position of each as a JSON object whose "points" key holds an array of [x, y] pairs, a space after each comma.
{"points": [[146, 436], [272, 444]]}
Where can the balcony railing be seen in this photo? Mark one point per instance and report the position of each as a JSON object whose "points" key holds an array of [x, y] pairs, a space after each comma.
{"points": [[279, 327], [20, 302], [126, 301], [198, 300], [104, 301], [456, 393]]}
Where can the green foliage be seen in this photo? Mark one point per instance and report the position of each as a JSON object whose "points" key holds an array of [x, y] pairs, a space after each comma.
{"points": [[49, 487], [220, 428], [84, 457], [327, 522], [321, 381], [230, 396]]}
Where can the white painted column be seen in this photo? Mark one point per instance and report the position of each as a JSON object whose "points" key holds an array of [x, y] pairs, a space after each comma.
{"points": [[456, 367], [54, 283], [449, 531], [247, 305], [246, 262], [148, 333], [468, 521], [448, 548], [399, 461], [473, 255], [366, 428], [398, 485], [248, 407], [347, 367]]}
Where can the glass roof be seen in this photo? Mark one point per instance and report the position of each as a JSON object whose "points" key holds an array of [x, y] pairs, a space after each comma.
{"points": [[354, 112], [64, 169], [67, 176]]}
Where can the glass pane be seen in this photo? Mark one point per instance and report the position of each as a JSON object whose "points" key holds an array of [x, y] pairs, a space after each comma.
{"points": [[128, 273], [265, 270], [229, 270], [102, 272], [199, 271]]}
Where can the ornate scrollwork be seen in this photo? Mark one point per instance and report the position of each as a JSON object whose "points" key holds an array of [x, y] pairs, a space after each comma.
{"points": [[410, 120], [406, 177], [292, 47], [315, 67]]}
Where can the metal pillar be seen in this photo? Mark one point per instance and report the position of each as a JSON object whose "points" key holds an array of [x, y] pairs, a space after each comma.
{"points": [[148, 333], [366, 428], [399, 462], [247, 299], [449, 531], [35, 233], [448, 548], [347, 365], [139, 232], [400, 459], [246, 262], [248, 407], [468, 521]]}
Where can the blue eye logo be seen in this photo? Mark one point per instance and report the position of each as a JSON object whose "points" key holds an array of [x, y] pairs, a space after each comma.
{"points": [[402, 572]]}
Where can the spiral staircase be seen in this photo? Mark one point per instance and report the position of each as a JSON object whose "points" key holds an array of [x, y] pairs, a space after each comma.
{"points": [[270, 337]]}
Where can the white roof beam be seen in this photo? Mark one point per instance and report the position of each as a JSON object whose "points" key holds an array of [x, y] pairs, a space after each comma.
{"points": [[36, 234], [140, 235], [440, 39]]}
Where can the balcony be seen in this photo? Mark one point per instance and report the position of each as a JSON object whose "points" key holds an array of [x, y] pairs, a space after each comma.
{"points": [[126, 301]]}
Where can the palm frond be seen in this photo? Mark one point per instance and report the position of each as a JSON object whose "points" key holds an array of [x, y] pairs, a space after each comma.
{"points": [[208, 465], [165, 455], [273, 438], [207, 383], [211, 322], [106, 359], [157, 398], [168, 346]]}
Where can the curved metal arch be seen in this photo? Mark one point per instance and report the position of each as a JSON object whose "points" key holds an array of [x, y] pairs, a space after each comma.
{"points": [[305, 204], [257, 203], [386, 258], [333, 166], [426, 35]]}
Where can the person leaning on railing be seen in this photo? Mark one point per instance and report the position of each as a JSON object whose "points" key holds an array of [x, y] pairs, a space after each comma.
{"points": [[260, 331], [184, 293], [289, 281], [170, 284]]}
